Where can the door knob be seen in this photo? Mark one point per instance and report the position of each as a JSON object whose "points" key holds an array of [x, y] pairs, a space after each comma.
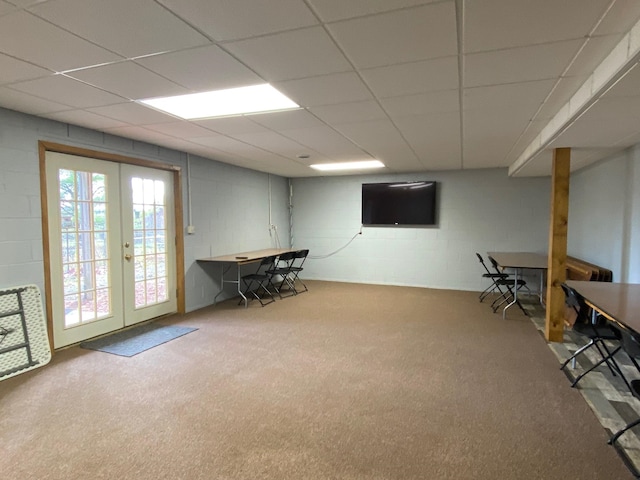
{"points": [[128, 257]]}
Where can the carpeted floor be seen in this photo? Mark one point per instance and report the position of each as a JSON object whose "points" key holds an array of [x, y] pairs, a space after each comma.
{"points": [[608, 396], [345, 381]]}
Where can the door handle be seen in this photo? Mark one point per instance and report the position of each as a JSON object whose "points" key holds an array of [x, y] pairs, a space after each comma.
{"points": [[128, 257]]}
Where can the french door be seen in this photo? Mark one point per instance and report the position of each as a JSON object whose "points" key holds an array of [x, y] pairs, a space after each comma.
{"points": [[111, 245]]}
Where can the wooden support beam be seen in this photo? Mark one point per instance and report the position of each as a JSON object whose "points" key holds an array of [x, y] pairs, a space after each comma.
{"points": [[557, 273]]}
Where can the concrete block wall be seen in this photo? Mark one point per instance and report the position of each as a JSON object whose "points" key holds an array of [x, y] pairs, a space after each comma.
{"points": [[478, 211], [229, 204], [233, 210], [604, 214]]}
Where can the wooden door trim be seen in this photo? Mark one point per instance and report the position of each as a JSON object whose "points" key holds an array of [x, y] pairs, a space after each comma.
{"points": [[43, 148]]}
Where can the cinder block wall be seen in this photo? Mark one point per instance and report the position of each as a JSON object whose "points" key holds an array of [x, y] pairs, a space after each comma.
{"points": [[478, 211], [230, 205]]}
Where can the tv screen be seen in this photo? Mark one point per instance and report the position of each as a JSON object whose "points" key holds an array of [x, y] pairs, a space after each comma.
{"points": [[399, 203]]}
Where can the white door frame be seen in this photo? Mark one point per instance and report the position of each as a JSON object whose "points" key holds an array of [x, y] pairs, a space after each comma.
{"points": [[177, 218]]}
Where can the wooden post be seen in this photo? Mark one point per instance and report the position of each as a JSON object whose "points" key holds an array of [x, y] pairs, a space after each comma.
{"points": [[557, 272]]}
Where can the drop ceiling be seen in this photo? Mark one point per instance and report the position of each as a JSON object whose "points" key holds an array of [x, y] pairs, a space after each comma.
{"points": [[420, 85]]}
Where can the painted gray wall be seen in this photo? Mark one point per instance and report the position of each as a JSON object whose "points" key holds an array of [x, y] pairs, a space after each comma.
{"points": [[230, 205], [479, 211], [604, 215]]}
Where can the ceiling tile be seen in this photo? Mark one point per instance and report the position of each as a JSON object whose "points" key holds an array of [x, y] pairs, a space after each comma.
{"points": [[228, 144], [606, 123], [627, 86], [415, 77], [67, 91], [201, 69], [505, 98], [350, 112], [6, 7], [225, 20], [594, 51], [425, 131], [287, 120], [485, 155], [529, 133], [273, 142], [232, 125], [495, 24], [85, 119], [133, 113], [22, 35], [129, 80], [622, 15], [24, 3], [536, 62], [12, 70], [139, 133], [403, 36], [504, 128], [182, 129], [423, 103], [441, 156], [129, 28], [289, 55], [325, 90], [331, 10], [380, 138], [560, 94], [26, 103], [325, 141]]}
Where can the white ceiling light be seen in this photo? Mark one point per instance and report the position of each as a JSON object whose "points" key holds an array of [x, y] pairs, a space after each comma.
{"points": [[348, 165], [221, 103]]}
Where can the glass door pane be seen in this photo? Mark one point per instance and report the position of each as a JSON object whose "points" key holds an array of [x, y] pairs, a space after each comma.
{"points": [[83, 205], [149, 240]]}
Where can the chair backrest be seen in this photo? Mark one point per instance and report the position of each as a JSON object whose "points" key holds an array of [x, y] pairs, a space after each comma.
{"points": [[482, 262], [494, 264], [301, 256], [285, 260], [266, 263], [630, 341], [576, 302]]}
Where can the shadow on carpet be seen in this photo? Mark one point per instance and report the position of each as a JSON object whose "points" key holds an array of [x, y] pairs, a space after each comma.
{"points": [[136, 340]]}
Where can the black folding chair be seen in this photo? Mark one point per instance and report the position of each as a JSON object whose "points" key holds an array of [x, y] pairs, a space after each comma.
{"points": [[508, 284], [282, 269], [630, 341], [296, 267], [597, 330], [256, 284], [494, 287]]}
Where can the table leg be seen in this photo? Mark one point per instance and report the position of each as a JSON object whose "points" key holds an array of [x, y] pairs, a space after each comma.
{"points": [[246, 302], [541, 293], [222, 272]]}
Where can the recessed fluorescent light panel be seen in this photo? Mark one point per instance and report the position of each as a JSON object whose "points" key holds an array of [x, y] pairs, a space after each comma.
{"points": [[348, 165], [222, 103]]}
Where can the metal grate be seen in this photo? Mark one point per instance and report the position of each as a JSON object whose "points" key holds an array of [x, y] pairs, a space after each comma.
{"points": [[24, 343]]}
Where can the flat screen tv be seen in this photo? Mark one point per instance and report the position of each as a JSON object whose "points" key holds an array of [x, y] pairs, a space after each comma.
{"points": [[399, 203]]}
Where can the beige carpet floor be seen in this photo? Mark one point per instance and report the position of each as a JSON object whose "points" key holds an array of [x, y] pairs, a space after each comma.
{"points": [[345, 381]]}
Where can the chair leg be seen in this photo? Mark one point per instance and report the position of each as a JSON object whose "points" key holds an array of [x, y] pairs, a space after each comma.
{"points": [[576, 353], [295, 279], [613, 367], [485, 293], [596, 365], [261, 287], [617, 435]]}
